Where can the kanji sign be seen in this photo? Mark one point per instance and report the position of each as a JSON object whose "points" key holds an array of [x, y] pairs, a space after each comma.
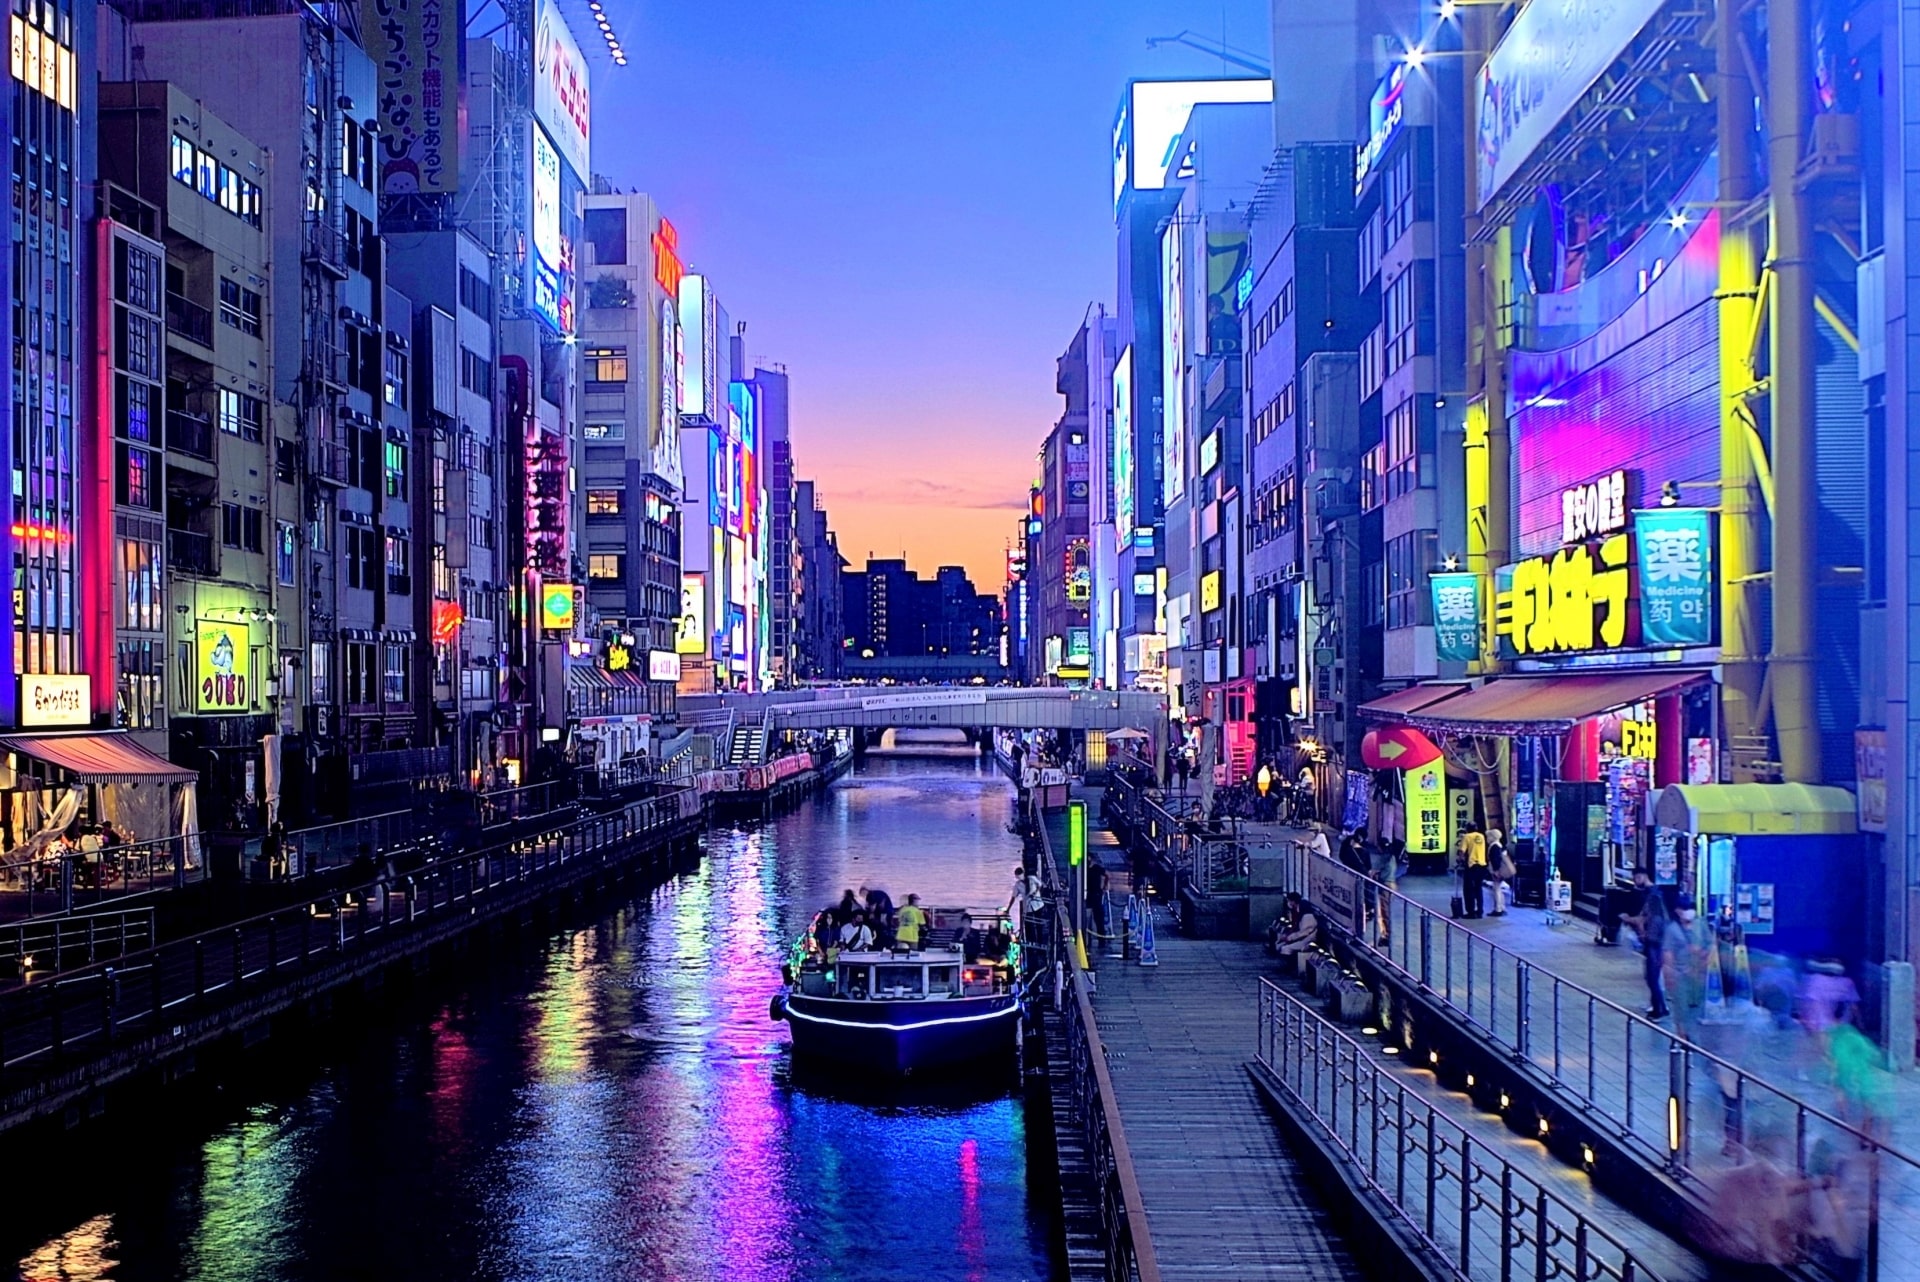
{"points": [[1456, 616], [1426, 792], [1675, 549]]}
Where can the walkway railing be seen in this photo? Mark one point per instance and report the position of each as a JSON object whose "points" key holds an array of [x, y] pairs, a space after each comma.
{"points": [[88, 1012], [1471, 1208], [49, 944], [1678, 1103], [32, 886], [1092, 1107]]}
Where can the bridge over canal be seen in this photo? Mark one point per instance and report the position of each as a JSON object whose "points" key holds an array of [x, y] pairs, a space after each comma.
{"points": [[947, 707]]}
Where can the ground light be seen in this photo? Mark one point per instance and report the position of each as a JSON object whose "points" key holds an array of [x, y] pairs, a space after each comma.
{"points": [[1389, 1050], [1586, 1158], [1370, 1031]]}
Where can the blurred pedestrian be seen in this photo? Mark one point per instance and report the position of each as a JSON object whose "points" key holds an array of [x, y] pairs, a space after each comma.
{"points": [[1472, 852], [1649, 921], [1687, 950], [1501, 870]]}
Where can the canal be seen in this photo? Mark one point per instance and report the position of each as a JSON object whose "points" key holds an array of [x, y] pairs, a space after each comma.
{"points": [[606, 1101]]}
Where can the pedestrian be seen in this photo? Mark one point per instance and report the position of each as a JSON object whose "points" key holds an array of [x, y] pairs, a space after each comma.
{"points": [[847, 907], [856, 936], [1097, 879], [1304, 808], [1302, 929], [1500, 868], [1317, 843], [1686, 950], [1383, 865], [913, 921], [1352, 854], [1472, 852], [879, 913], [1025, 905], [1650, 923]]}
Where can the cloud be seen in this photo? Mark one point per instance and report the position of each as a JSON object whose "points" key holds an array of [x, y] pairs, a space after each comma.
{"points": [[917, 491]]}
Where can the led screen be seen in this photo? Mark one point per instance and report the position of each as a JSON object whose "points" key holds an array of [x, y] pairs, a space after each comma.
{"points": [[550, 280], [1122, 451]]}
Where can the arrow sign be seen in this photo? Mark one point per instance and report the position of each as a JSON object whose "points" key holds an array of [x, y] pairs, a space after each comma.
{"points": [[1397, 748]]}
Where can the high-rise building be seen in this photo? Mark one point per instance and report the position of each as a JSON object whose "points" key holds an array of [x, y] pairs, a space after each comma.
{"points": [[1063, 571], [783, 587], [821, 628]]}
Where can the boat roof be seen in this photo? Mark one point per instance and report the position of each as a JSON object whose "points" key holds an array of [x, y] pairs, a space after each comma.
{"points": [[886, 957]]}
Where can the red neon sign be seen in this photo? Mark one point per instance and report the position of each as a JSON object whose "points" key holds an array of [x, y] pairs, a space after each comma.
{"points": [[447, 618], [667, 268]]}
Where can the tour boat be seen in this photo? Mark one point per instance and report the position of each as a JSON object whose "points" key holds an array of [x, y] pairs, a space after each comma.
{"points": [[904, 1011]]}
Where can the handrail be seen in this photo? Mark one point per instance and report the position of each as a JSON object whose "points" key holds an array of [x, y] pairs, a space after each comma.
{"points": [[1566, 1035], [1469, 1206], [1129, 1243], [168, 985]]}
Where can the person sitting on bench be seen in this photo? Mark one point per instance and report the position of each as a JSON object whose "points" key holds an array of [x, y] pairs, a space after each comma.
{"points": [[1305, 928]]}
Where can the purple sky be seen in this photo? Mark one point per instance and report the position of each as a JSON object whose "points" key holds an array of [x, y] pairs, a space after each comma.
{"points": [[909, 205]]}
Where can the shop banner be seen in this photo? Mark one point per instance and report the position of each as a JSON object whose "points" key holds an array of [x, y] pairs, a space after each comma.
{"points": [[1870, 768], [1459, 815], [1676, 576], [1426, 791], [222, 655], [1456, 616]]}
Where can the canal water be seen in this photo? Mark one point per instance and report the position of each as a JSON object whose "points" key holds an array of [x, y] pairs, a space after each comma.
{"points": [[608, 1102]]}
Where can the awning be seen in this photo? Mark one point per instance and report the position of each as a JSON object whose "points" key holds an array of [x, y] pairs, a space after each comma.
{"points": [[1754, 809], [1392, 707], [1545, 704], [99, 758], [588, 677]]}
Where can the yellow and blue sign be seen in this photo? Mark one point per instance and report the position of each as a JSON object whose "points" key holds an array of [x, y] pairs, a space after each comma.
{"points": [[556, 607]]}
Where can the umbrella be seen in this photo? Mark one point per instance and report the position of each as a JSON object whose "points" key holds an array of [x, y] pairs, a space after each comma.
{"points": [[1125, 734]]}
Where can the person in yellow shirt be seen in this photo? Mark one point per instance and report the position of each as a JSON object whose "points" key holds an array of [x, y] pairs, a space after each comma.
{"points": [[1473, 868], [913, 922]]}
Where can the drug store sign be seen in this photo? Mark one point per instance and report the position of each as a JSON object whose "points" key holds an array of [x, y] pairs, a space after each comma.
{"points": [[1647, 586]]}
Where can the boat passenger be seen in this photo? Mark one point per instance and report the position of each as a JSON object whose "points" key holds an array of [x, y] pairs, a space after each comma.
{"points": [[913, 920], [856, 936], [843, 911], [879, 914]]}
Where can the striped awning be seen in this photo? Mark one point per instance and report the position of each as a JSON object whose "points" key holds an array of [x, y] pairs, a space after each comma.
{"points": [[99, 758]]}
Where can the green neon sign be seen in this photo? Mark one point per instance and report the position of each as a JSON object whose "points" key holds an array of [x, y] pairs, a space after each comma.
{"points": [[1076, 833]]}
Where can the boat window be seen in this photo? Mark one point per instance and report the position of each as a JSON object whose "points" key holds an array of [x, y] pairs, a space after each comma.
{"points": [[898, 981], [941, 979], [855, 980]]}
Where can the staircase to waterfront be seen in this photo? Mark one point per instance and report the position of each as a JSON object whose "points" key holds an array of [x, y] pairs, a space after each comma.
{"points": [[748, 746]]}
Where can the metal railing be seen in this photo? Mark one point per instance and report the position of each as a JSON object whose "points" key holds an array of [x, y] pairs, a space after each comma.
{"points": [[49, 944], [1679, 1104], [1091, 1106], [336, 845], [160, 991], [1471, 1208], [190, 434], [37, 884], [192, 552], [189, 319]]}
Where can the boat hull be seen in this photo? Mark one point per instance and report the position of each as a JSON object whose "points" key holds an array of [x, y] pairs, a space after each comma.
{"points": [[900, 1038]]}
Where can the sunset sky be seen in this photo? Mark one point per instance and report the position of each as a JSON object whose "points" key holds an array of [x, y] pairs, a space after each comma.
{"points": [[909, 204]]}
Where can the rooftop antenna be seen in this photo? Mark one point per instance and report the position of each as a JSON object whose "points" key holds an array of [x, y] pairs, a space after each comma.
{"points": [[1224, 52]]}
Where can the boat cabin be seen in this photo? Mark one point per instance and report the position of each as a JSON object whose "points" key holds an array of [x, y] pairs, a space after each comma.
{"points": [[926, 976]]}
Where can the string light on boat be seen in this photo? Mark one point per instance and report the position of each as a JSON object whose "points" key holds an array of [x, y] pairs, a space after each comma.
{"points": [[599, 12]]}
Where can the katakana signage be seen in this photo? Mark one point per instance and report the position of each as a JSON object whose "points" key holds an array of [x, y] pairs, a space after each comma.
{"points": [[1580, 598]]}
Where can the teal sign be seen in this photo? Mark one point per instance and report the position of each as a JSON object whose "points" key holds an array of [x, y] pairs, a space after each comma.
{"points": [[1456, 616], [1674, 547]]}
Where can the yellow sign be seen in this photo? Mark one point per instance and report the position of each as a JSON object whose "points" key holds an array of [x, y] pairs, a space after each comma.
{"points": [[1210, 591], [1575, 599], [53, 700], [556, 607], [222, 667], [1459, 815], [690, 637], [1426, 792], [1639, 739]]}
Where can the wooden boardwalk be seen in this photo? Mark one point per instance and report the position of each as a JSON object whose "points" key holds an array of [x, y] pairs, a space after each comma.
{"points": [[1224, 1197]]}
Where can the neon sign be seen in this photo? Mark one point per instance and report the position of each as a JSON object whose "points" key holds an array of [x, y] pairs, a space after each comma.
{"points": [[667, 267]]}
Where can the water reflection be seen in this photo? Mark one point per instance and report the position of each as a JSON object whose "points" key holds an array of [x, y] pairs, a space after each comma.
{"points": [[614, 1103]]}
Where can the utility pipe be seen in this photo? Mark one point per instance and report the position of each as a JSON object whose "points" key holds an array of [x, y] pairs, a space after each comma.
{"points": [[1795, 481]]}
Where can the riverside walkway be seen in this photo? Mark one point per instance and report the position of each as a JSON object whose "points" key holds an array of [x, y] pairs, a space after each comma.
{"points": [[1224, 1197]]}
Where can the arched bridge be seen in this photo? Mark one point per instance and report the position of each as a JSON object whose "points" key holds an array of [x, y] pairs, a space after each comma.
{"points": [[954, 707]]}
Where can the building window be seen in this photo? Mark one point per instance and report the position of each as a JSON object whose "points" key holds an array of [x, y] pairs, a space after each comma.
{"points": [[239, 307], [399, 576], [395, 687], [605, 433], [320, 672], [136, 485], [396, 381], [603, 502], [140, 605], [285, 552], [476, 295], [364, 556], [1409, 560], [1408, 447], [476, 373], [242, 527], [136, 277], [135, 408], [242, 415], [361, 676], [606, 365], [1276, 411], [356, 153], [606, 566], [202, 172], [396, 470]]}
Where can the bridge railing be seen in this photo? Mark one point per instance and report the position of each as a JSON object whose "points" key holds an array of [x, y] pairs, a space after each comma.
{"points": [[48, 1026], [1091, 1105]]}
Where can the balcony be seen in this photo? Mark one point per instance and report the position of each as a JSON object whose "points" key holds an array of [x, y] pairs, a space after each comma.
{"points": [[190, 434], [190, 552], [189, 320], [327, 365], [325, 247]]}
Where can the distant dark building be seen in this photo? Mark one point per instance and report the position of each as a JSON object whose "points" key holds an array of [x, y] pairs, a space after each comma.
{"points": [[891, 612], [822, 622]]}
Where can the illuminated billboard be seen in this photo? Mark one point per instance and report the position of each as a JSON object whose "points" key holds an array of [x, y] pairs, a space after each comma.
{"points": [[690, 636], [222, 656], [700, 325], [550, 280], [664, 436], [1173, 364], [415, 44], [1122, 451], [560, 99], [556, 607], [1154, 113]]}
